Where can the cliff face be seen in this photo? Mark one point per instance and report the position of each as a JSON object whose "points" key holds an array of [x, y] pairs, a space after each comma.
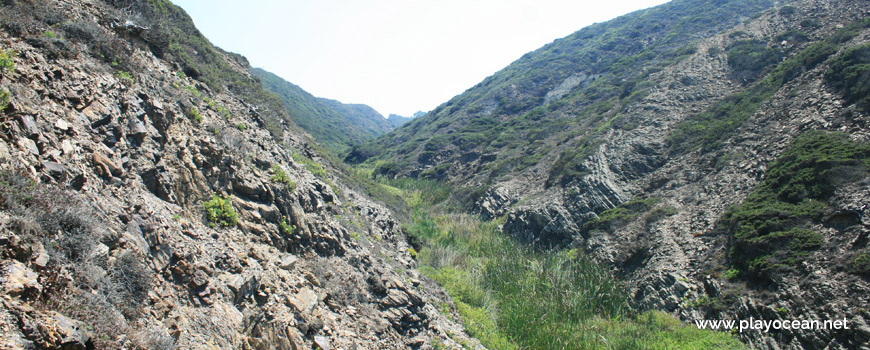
{"points": [[143, 208], [720, 182]]}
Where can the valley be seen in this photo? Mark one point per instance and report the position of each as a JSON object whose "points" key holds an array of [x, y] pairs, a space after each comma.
{"points": [[697, 160]]}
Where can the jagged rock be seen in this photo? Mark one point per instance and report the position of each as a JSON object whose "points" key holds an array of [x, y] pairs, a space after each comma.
{"points": [[28, 126], [20, 281], [304, 301], [62, 125], [56, 170], [104, 166], [322, 342], [288, 262], [395, 298], [28, 145]]}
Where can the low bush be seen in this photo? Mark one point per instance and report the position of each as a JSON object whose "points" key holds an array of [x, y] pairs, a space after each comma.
{"points": [[219, 211], [78, 282], [849, 74], [707, 130], [770, 226], [860, 264]]}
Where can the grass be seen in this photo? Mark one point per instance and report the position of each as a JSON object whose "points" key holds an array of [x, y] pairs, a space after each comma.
{"points": [[314, 167], [280, 176], [513, 296], [193, 113]]}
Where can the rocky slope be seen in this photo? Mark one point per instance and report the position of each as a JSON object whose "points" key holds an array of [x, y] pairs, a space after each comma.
{"points": [[657, 161], [335, 125], [142, 208]]}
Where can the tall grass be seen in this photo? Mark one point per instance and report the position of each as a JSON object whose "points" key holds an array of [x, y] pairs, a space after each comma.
{"points": [[512, 296]]}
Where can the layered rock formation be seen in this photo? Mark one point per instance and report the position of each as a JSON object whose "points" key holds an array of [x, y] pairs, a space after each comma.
{"points": [[107, 172], [567, 167]]}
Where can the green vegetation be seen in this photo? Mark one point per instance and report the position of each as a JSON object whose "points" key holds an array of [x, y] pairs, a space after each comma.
{"points": [[280, 176], [770, 228], [620, 215], [219, 211], [505, 292], [193, 113], [285, 226], [50, 34], [860, 264], [192, 90], [559, 99], [731, 274], [125, 77], [709, 129], [314, 167], [7, 62], [750, 58], [335, 125], [7, 67], [849, 74], [241, 126], [5, 98]]}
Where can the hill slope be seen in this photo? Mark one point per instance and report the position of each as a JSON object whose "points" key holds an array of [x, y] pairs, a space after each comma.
{"points": [[335, 125], [712, 153], [154, 196]]}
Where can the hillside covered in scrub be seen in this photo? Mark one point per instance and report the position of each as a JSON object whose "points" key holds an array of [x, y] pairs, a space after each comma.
{"points": [[698, 160], [712, 154], [153, 195], [335, 125]]}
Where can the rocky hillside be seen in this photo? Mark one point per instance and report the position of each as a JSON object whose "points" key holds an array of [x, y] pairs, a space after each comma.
{"points": [[713, 154], [335, 125], [153, 196]]}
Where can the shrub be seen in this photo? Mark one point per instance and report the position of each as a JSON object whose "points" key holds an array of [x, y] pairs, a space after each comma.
{"points": [[285, 226], [102, 293], [860, 264], [750, 58], [7, 63], [219, 211], [278, 175], [125, 77], [849, 74], [731, 274], [314, 167], [194, 114], [5, 97], [769, 227]]}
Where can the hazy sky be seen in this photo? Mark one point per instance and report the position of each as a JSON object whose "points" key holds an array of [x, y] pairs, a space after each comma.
{"points": [[398, 56]]}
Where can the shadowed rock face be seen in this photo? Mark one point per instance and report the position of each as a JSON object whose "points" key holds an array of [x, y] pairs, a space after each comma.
{"points": [[106, 169], [573, 175]]}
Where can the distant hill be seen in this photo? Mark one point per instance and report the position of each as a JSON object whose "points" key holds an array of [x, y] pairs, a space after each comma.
{"points": [[335, 125], [397, 120]]}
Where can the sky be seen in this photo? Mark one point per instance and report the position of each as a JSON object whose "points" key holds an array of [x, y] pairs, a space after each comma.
{"points": [[398, 56]]}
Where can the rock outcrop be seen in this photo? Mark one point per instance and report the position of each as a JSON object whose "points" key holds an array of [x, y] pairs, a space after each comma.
{"points": [[572, 162], [104, 237]]}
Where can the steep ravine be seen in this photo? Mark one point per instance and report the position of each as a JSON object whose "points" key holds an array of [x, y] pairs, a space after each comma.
{"points": [[106, 171], [622, 179]]}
